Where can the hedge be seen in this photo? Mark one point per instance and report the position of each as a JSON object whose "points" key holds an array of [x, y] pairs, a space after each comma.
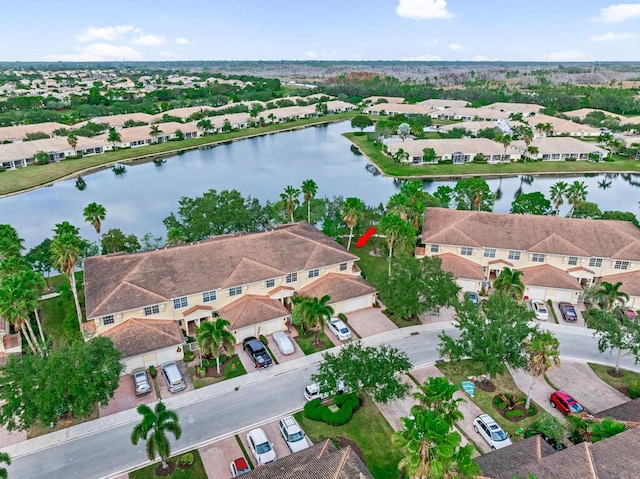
{"points": [[347, 403]]}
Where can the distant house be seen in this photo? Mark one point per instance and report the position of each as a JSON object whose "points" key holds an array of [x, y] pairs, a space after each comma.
{"points": [[560, 127], [469, 114], [458, 151], [561, 149], [18, 132], [525, 108], [396, 109], [22, 153]]}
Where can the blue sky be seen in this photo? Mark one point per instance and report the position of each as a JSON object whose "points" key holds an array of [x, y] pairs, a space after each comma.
{"points": [[553, 30]]}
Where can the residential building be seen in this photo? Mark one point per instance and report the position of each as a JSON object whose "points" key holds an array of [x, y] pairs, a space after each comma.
{"points": [[384, 99], [469, 114], [561, 148], [137, 136], [439, 104], [396, 109], [18, 132], [630, 284], [145, 301], [560, 127], [505, 126], [459, 151], [525, 108], [22, 153]]}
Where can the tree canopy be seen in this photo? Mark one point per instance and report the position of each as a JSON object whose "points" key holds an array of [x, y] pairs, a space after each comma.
{"points": [[531, 204], [473, 194], [615, 331]]}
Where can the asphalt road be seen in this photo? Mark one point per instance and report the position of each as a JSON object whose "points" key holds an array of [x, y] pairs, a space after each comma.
{"points": [[107, 452]]}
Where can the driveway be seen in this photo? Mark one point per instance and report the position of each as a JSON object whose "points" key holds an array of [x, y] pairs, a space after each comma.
{"points": [[217, 457], [125, 397], [297, 353], [579, 323], [540, 393], [445, 314], [579, 380], [164, 392], [369, 321]]}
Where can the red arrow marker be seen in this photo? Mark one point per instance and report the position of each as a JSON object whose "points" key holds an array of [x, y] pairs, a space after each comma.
{"points": [[365, 237]]}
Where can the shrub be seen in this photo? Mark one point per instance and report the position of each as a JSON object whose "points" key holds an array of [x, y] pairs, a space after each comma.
{"points": [[513, 413], [343, 317], [511, 400], [152, 371], [347, 403], [570, 159], [263, 339], [187, 459], [634, 389], [532, 411], [445, 162], [608, 159], [1, 168], [202, 372], [188, 356]]}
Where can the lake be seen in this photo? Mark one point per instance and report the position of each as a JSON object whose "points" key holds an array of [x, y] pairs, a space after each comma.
{"points": [[138, 200]]}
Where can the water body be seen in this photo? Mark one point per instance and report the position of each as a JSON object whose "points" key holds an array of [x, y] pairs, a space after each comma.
{"points": [[138, 200]]}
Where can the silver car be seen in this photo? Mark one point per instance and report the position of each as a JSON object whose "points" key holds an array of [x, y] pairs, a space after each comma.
{"points": [[141, 381], [285, 345]]}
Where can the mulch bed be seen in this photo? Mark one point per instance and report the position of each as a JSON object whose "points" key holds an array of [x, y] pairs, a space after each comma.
{"points": [[518, 407], [164, 472], [212, 372], [345, 441], [614, 374], [486, 386]]}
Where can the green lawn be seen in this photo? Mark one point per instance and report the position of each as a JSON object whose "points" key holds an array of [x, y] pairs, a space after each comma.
{"points": [[388, 166], [370, 430], [305, 341], [233, 369], [24, 178], [54, 311], [458, 371], [622, 383], [373, 267], [195, 472]]}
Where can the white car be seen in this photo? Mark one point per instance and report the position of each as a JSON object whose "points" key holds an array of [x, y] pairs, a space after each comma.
{"points": [[337, 327], [285, 345], [540, 309], [312, 391], [292, 434], [260, 446], [491, 432]]}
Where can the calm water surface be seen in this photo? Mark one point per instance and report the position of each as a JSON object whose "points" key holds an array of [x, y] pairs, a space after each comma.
{"points": [[141, 198]]}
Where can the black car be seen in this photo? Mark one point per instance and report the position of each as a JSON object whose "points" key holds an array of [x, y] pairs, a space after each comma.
{"points": [[258, 353], [568, 312]]}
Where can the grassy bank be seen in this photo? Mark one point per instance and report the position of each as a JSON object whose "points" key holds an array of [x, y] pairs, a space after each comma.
{"points": [[33, 176], [388, 166]]}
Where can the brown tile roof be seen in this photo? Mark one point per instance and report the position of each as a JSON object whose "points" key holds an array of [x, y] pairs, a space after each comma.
{"points": [[529, 450], [139, 336], [460, 267], [252, 309], [339, 286], [320, 461], [548, 276], [196, 307], [89, 328], [628, 412], [630, 281], [580, 268], [503, 261], [122, 282], [592, 238]]}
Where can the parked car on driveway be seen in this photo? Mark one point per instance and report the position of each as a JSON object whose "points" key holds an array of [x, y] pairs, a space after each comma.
{"points": [[540, 309], [491, 432], [568, 312], [564, 403], [292, 434], [239, 467], [257, 352], [260, 446], [141, 381], [339, 329], [285, 345], [173, 377]]}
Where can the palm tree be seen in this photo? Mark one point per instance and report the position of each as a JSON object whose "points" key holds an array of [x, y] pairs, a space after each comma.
{"points": [[608, 295], [395, 229], [154, 132], [506, 141], [94, 214], [309, 190], [532, 151], [72, 139], [290, 200], [212, 336], [205, 125], [558, 192], [437, 394], [4, 458], [542, 351], [607, 428], [351, 211], [65, 252], [153, 429], [114, 137], [509, 283], [314, 312], [576, 193], [11, 244]]}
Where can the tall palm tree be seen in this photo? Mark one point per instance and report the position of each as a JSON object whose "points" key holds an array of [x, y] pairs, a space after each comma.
{"points": [[94, 214], [205, 125], [437, 394], [309, 190], [314, 312], [214, 335], [154, 131], [509, 283], [608, 295], [290, 200], [4, 458], [576, 193], [155, 423], [65, 252], [72, 139], [542, 351], [11, 244], [396, 230], [352, 209], [558, 193]]}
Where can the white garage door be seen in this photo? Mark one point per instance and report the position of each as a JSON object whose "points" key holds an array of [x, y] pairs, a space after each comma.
{"points": [[536, 293], [132, 363], [560, 295], [167, 355], [353, 304]]}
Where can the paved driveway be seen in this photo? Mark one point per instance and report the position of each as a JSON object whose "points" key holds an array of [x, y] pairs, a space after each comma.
{"points": [[217, 457], [445, 314], [540, 392], [579, 380], [8, 437], [578, 323], [297, 353], [125, 397], [369, 321]]}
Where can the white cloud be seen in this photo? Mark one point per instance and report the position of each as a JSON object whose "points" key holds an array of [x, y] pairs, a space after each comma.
{"points": [[567, 56], [619, 13], [455, 46], [321, 54], [182, 41], [423, 9], [110, 33], [611, 36], [148, 40], [95, 52], [421, 58]]}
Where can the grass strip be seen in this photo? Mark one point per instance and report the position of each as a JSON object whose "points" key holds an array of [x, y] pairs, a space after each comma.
{"points": [[244, 451]]}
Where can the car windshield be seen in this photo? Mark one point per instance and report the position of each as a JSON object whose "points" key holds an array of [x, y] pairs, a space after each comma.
{"points": [[541, 309], [575, 407], [263, 448], [296, 436], [570, 312], [344, 330], [498, 435]]}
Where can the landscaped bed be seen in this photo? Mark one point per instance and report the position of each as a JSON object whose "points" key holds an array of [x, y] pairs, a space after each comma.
{"points": [[196, 471], [305, 341], [229, 368]]}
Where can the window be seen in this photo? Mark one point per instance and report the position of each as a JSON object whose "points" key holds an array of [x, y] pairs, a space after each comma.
{"points": [[208, 296], [489, 253], [466, 251], [343, 266], [235, 291], [179, 303], [291, 278], [435, 248], [595, 263], [538, 257], [270, 283], [314, 273], [621, 265], [573, 260], [149, 310], [108, 319], [514, 255]]}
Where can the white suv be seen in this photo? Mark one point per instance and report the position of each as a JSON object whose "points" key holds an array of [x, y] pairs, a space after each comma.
{"points": [[312, 391], [292, 434], [491, 432]]}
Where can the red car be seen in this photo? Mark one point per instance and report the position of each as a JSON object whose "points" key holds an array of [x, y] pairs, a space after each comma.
{"points": [[566, 404]]}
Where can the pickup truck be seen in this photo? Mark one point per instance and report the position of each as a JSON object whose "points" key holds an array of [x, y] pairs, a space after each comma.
{"points": [[257, 352]]}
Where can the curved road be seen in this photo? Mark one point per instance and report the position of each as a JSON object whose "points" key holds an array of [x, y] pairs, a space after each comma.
{"points": [[101, 448]]}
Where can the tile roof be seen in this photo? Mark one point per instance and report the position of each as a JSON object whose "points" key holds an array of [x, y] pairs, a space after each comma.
{"points": [[596, 238], [628, 412], [196, 307], [531, 449], [630, 282], [251, 309], [320, 461], [548, 276], [139, 336], [339, 286], [122, 282], [460, 267]]}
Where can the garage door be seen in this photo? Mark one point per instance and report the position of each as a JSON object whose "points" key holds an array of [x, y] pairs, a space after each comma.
{"points": [[167, 355], [536, 293], [132, 363], [353, 304], [150, 359], [560, 295]]}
